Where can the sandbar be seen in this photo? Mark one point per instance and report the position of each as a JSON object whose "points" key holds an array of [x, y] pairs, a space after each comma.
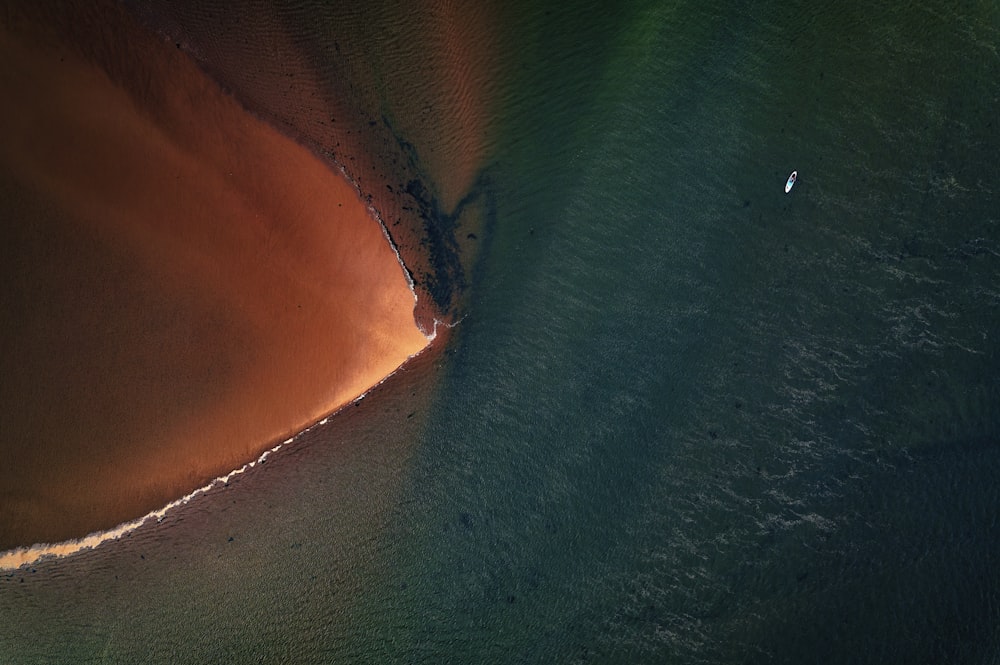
{"points": [[182, 284]]}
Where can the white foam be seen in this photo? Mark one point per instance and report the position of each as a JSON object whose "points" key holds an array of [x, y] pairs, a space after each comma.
{"points": [[26, 556]]}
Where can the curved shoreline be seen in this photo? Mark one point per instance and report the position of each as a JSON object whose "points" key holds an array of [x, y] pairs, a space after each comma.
{"points": [[20, 557]]}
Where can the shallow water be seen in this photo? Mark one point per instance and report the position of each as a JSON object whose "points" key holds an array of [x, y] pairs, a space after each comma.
{"points": [[686, 417]]}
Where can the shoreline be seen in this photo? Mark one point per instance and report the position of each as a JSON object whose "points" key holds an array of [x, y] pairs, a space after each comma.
{"points": [[412, 137], [20, 557]]}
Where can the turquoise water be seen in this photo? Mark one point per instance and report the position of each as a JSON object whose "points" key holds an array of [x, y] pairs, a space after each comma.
{"points": [[686, 418]]}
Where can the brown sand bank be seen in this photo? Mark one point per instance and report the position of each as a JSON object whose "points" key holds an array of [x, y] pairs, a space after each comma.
{"points": [[181, 284]]}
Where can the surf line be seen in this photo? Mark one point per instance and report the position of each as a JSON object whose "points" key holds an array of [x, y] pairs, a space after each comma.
{"points": [[21, 557]]}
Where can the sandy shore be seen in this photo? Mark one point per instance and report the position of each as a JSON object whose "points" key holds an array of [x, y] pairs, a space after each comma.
{"points": [[187, 285]]}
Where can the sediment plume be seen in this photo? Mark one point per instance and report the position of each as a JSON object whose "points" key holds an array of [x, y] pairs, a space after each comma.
{"points": [[182, 284]]}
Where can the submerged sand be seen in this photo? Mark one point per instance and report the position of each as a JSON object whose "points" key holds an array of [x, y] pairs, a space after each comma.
{"points": [[404, 96], [182, 284]]}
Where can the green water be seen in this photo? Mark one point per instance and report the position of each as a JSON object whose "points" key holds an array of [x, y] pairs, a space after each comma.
{"points": [[687, 418]]}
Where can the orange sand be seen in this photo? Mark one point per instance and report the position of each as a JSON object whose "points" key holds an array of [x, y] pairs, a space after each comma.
{"points": [[186, 285]]}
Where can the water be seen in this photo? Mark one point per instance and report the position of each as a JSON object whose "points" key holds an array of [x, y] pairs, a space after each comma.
{"points": [[695, 420], [686, 418]]}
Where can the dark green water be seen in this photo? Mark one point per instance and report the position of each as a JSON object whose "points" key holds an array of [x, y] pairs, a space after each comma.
{"points": [[686, 419], [693, 419]]}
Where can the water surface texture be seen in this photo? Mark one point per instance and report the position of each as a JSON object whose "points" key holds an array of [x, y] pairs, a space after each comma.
{"points": [[684, 417]]}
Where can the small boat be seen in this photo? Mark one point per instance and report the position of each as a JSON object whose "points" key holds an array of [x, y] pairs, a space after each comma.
{"points": [[791, 181]]}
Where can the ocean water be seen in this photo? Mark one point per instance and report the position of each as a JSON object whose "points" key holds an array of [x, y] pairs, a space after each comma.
{"points": [[684, 418]]}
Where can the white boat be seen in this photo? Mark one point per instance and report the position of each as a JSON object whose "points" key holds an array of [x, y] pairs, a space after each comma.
{"points": [[791, 181]]}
